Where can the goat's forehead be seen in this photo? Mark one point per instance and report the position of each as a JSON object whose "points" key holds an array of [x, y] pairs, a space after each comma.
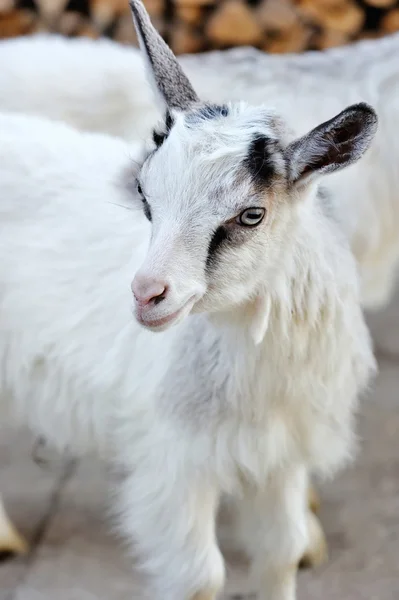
{"points": [[237, 114], [227, 126], [219, 147]]}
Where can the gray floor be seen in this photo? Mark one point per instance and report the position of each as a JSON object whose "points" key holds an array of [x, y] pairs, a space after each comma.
{"points": [[61, 508]]}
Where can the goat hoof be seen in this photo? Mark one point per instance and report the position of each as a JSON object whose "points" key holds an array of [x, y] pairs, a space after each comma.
{"points": [[12, 545], [317, 552], [11, 542]]}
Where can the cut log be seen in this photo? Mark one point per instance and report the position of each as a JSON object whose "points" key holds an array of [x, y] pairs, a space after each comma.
{"points": [[390, 21], [347, 17], [381, 3], [295, 39], [277, 15], [74, 24], [124, 32], [195, 2], [327, 4], [189, 14], [370, 35], [155, 8], [70, 22], [233, 23], [330, 38], [6, 6], [88, 30], [183, 39], [103, 13], [17, 22], [50, 9]]}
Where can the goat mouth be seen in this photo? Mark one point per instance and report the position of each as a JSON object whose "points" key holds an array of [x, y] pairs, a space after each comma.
{"points": [[164, 322]]}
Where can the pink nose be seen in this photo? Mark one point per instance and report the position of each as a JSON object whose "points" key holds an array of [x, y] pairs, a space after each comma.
{"points": [[147, 290]]}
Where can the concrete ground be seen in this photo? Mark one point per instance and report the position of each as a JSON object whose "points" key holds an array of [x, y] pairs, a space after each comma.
{"points": [[61, 508]]}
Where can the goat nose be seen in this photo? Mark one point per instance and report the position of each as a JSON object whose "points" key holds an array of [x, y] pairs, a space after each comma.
{"points": [[148, 291]]}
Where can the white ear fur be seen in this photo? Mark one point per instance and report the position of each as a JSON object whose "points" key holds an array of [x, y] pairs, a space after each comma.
{"points": [[260, 319]]}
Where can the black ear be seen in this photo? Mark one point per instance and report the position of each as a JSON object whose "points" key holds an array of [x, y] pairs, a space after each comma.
{"points": [[164, 72], [333, 145]]}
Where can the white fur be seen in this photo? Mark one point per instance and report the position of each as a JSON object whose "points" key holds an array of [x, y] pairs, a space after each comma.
{"points": [[101, 86], [200, 410], [66, 82]]}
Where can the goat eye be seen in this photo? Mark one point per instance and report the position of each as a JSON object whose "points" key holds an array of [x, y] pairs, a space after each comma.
{"points": [[251, 217]]}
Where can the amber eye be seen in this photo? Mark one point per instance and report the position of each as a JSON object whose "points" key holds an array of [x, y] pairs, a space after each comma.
{"points": [[251, 217]]}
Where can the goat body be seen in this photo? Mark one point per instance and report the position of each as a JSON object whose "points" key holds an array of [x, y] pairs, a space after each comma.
{"points": [[192, 411], [199, 410]]}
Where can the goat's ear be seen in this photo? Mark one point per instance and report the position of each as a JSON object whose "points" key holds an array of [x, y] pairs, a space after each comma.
{"points": [[171, 85], [333, 145]]}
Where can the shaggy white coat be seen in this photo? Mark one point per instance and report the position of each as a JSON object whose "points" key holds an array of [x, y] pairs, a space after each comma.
{"points": [[200, 410]]}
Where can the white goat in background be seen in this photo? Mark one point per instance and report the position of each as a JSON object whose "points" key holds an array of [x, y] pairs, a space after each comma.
{"points": [[255, 385]]}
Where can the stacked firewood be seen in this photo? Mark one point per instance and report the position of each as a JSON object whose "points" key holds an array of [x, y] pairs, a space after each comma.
{"points": [[198, 25]]}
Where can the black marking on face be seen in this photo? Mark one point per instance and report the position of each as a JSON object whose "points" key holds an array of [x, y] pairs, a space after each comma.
{"points": [[146, 206], [147, 210], [218, 238], [206, 112], [260, 159], [159, 137]]}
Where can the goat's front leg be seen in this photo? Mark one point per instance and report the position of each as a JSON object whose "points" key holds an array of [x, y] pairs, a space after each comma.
{"points": [[169, 512], [273, 525], [10, 540]]}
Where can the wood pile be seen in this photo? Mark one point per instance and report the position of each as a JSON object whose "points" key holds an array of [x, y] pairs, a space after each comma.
{"points": [[198, 25]]}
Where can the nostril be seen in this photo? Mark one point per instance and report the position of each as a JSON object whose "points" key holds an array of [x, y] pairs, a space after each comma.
{"points": [[157, 299], [149, 291], [157, 294]]}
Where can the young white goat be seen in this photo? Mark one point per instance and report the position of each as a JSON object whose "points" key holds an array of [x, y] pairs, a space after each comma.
{"points": [[256, 383]]}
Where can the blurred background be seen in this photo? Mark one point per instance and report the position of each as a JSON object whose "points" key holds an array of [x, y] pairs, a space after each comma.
{"points": [[198, 25]]}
